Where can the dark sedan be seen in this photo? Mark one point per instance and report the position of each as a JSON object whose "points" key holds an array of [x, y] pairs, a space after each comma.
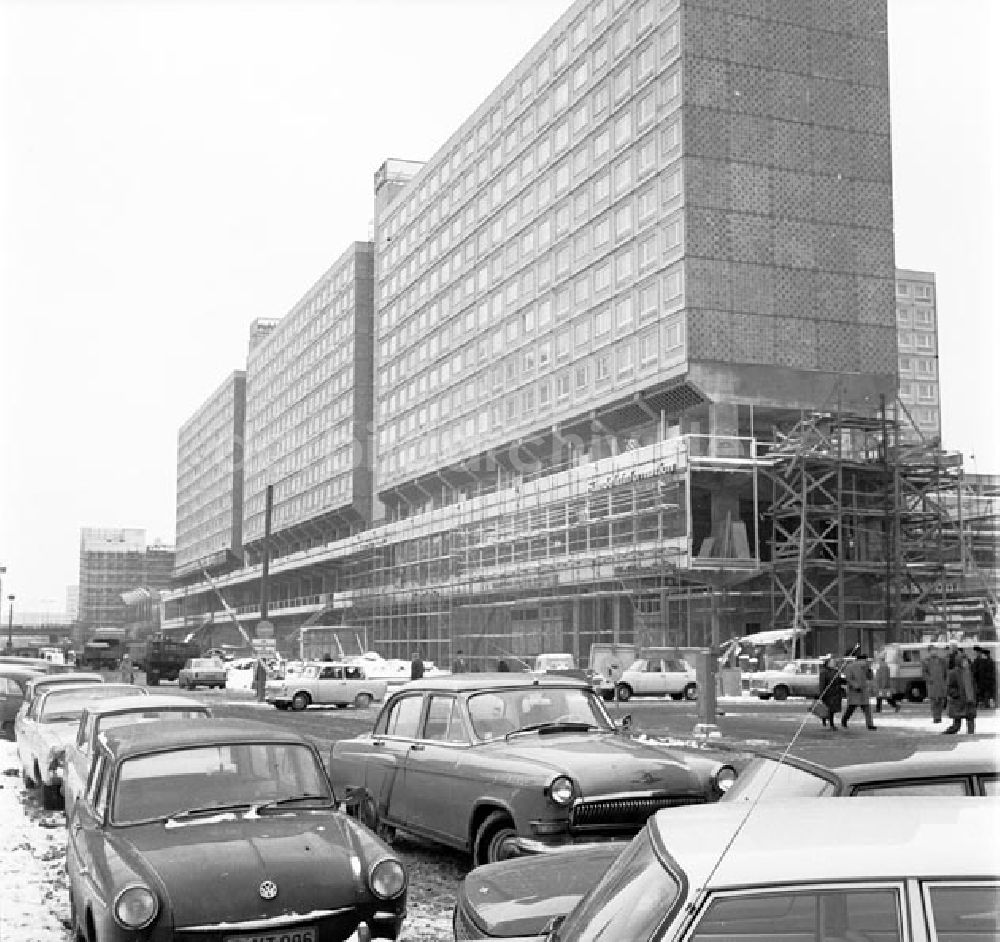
{"points": [[222, 831], [501, 765], [518, 897]]}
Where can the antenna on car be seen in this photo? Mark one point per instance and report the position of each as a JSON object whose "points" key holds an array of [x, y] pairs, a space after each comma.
{"points": [[760, 793]]}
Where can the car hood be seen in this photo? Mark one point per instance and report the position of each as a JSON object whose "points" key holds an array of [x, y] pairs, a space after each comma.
{"points": [[308, 855], [518, 897], [604, 763]]}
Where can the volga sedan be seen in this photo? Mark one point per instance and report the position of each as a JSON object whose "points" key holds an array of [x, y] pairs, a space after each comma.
{"points": [[222, 831], [501, 765], [805, 869]]}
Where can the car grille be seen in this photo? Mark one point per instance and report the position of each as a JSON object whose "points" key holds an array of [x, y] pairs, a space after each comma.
{"points": [[625, 813]]}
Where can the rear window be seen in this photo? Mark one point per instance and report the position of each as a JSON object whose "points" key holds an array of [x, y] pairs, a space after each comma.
{"points": [[63, 705], [769, 779]]}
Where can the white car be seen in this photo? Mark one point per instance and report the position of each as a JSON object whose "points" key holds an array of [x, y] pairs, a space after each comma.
{"points": [[326, 682], [658, 677], [50, 726], [102, 715], [799, 678]]}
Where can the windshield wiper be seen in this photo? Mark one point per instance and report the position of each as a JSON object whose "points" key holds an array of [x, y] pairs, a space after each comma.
{"points": [[552, 726], [278, 802], [210, 809]]}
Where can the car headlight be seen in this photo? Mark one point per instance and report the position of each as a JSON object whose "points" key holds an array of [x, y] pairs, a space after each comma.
{"points": [[387, 878], [724, 778], [135, 907], [562, 790]]}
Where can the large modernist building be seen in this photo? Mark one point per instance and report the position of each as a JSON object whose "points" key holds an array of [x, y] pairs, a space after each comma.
{"points": [[919, 380], [581, 336]]}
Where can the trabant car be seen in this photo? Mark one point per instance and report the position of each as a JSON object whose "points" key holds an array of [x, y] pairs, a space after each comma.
{"points": [[202, 672], [326, 682], [503, 764], [222, 830], [49, 727], [101, 715], [519, 897], [799, 678], [13, 686], [658, 677], [726, 872], [37, 684]]}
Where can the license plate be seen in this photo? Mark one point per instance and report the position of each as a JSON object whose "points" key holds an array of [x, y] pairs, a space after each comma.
{"points": [[298, 934]]}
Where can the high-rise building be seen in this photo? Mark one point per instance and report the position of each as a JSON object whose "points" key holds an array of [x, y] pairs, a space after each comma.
{"points": [[919, 380], [210, 481], [308, 415], [113, 561]]}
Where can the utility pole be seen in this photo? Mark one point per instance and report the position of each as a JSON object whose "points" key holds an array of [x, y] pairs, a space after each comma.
{"points": [[266, 561]]}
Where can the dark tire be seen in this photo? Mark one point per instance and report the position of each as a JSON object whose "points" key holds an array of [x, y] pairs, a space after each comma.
{"points": [[300, 701], [624, 692], [368, 815], [494, 839], [676, 696], [763, 696], [362, 701], [781, 692], [281, 706], [691, 692], [152, 680], [52, 799], [916, 692]]}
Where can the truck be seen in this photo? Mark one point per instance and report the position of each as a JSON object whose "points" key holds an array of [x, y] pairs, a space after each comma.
{"points": [[104, 650], [163, 659]]}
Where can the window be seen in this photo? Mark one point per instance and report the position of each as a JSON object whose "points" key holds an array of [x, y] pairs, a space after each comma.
{"points": [[623, 129], [647, 349], [623, 360], [647, 156], [602, 187], [562, 136], [648, 300], [623, 314], [902, 290], [580, 76], [645, 62], [623, 83], [580, 119], [581, 204], [672, 235], [545, 355], [544, 395], [602, 232], [404, 718], [602, 278], [601, 100], [671, 185], [562, 303], [582, 377], [623, 267], [600, 57], [562, 386], [647, 204], [623, 221], [623, 176], [579, 33], [562, 95], [922, 292], [963, 913], [671, 87], [830, 914], [602, 368], [956, 787], [647, 253], [621, 38], [580, 162], [581, 291], [670, 139], [905, 364]]}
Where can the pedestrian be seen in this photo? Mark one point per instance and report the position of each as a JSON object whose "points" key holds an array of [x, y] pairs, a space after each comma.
{"points": [[961, 693], [935, 674], [416, 666], [858, 677], [126, 669], [831, 691], [502, 665], [458, 665], [984, 677], [883, 688], [260, 679]]}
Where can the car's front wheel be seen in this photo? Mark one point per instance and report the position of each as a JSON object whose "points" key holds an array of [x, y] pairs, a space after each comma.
{"points": [[495, 839], [624, 692], [368, 815], [51, 797], [781, 692], [362, 701], [691, 692], [916, 692], [300, 701]]}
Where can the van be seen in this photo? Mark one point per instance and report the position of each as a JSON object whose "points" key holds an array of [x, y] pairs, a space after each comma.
{"points": [[905, 658]]}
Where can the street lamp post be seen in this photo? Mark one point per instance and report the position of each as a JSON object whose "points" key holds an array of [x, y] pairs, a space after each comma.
{"points": [[10, 623]]}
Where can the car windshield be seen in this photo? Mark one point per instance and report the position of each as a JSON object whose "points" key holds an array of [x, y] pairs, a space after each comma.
{"points": [[61, 706], [131, 717], [210, 778], [777, 780], [206, 664], [499, 712], [632, 899]]}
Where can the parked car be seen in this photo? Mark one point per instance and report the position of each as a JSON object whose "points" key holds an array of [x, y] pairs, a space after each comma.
{"points": [[13, 686], [518, 897], [798, 678], [499, 765], [44, 732], [202, 672], [326, 682], [658, 677], [36, 686], [865, 870], [101, 715], [222, 830]]}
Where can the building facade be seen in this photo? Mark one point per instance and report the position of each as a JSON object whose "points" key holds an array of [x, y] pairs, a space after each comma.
{"points": [[919, 379], [210, 481]]}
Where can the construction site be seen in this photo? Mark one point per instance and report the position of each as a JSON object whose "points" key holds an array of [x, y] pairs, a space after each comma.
{"points": [[840, 529]]}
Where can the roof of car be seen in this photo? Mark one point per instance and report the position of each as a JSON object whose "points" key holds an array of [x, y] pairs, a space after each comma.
{"points": [[127, 741], [154, 701], [48, 693], [75, 677], [21, 672], [806, 839], [499, 680]]}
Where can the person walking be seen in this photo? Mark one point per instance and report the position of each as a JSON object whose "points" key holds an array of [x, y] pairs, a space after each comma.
{"points": [[984, 677], [458, 665], [961, 694], [126, 669], [416, 666], [259, 679], [831, 691], [935, 674], [883, 688], [858, 676]]}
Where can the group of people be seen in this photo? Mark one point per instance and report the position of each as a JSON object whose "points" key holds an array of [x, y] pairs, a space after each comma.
{"points": [[956, 687]]}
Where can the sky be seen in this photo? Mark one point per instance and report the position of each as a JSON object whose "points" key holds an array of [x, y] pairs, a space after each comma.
{"points": [[171, 170]]}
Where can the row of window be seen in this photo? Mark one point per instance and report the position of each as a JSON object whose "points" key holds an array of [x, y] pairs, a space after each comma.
{"points": [[924, 392], [923, 367], [924, 342], [331, 391], [919, 292]]}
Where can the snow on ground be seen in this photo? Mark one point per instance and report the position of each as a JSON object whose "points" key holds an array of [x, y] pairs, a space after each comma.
{"points": [[34, 906]]}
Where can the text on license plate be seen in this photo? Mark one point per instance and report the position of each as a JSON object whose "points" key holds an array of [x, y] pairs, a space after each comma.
{"points": [[298, 934]]}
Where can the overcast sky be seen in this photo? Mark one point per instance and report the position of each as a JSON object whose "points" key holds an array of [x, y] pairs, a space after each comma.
{"points": [[172, 170]]}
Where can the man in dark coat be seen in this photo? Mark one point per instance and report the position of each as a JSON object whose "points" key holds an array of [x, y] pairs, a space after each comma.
{"points": [[858, 677], [416, 666], [260, 679], [984, 677], [830, 691], [934, 671], [961, 694]]}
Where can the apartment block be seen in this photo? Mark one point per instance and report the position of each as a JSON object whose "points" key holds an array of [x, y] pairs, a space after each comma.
{"points": [[309, 412], [210, 481], [919, 380]]}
